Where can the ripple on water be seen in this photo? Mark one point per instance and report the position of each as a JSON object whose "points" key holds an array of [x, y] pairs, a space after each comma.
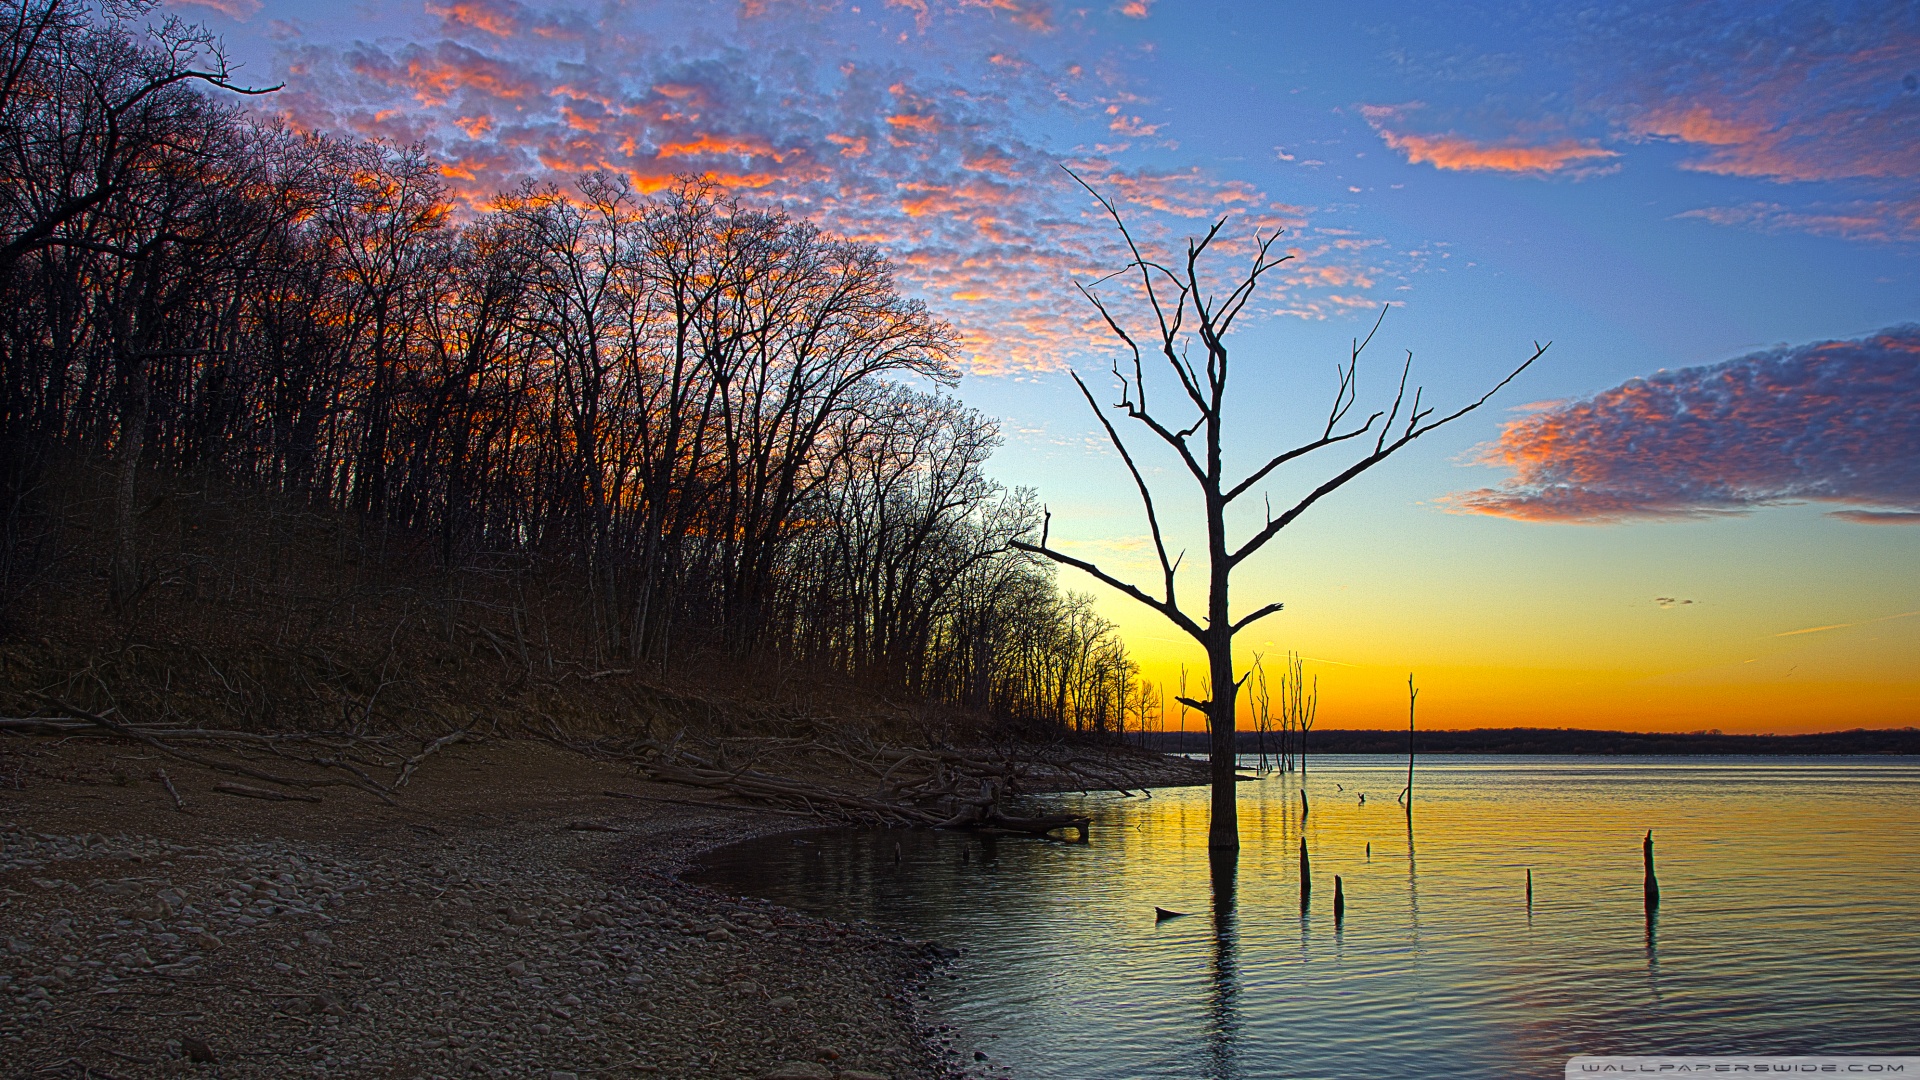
{"points": [[1790, 895]]}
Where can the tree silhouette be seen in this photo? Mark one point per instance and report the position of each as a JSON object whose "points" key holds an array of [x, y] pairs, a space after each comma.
{"points": [[1184, 312]]}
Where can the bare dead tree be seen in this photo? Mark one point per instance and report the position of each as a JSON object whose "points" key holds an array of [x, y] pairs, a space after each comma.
{"points": [[1185, 312], [1299, 705]]}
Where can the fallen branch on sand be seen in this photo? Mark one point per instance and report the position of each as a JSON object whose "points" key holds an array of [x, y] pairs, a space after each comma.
{"points": [[354, 755], [228, 787], [928, 789]]}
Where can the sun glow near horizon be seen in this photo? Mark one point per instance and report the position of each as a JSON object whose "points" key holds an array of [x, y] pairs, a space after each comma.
{"points": [[1694, 513]]}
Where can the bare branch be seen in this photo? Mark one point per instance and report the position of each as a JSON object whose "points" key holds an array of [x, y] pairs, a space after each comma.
{"points": [[1139, 482], [1173, 614], [1249, 620], [1414, 430]]}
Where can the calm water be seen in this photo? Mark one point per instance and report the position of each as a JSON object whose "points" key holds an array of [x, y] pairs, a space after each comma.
{"points": [[1790, 919]]}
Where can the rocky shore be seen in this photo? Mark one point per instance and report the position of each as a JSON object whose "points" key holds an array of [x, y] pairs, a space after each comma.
{"points": [[510, 918]]}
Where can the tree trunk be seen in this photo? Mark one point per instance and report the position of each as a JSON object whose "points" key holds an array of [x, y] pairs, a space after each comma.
{"points": [[124, 578], [1224, 832]]}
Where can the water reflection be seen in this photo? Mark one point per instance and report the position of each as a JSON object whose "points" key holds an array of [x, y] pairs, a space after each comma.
{"points": [[1223, 1026], [1790, 925], [1653, 952]]}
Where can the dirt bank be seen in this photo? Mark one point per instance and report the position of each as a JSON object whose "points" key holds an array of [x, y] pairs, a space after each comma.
{"points": [[508, 919]]}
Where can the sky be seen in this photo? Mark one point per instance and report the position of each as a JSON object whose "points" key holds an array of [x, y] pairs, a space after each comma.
{"points": [[1699, 510]]}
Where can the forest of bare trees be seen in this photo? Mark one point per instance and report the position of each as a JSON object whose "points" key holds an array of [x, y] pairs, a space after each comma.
{"points": [[726, 429]]}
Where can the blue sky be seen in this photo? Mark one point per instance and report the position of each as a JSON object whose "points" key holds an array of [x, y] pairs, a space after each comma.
{"points": [[1652, 187]]}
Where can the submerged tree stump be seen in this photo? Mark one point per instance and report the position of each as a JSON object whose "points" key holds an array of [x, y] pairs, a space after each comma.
{"points": [[1652, 887], [1306, 876]]}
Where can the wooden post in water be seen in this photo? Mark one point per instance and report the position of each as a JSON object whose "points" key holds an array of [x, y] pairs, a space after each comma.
{"points": [[1306, 875], [1339, 900], [1413, 695], [1529, 888], [1369, 851], [1303, 803], [1653, 883]]}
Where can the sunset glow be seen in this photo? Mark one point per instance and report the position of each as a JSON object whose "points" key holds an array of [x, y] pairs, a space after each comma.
{"points": [[1700, 510]]}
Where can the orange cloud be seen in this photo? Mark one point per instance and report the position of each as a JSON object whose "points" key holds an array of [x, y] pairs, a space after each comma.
{"points": [[1698, 125], [852, 146], [435, 76], [1798, 96], [918, 124], [991, 161], [739, 146], [1459, 154], [1035, 15], [921, 16], [482, 15]]}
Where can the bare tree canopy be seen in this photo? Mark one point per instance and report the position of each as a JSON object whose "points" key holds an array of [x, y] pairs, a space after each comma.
{"points": [[727, 431], [1185, 314]]}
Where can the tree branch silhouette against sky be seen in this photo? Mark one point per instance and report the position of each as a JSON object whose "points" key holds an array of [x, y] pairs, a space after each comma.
{"points": [[1712, 209]]}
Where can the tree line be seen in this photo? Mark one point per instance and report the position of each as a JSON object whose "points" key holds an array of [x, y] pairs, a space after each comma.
{"points": [[728, 429]]}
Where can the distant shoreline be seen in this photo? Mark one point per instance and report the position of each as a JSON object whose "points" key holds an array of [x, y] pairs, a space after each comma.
{"points": [[1560, 741]]}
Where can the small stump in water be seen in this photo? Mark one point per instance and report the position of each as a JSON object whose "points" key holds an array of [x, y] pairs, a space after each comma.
{"points": [[1306, 876], [1652, 887]]}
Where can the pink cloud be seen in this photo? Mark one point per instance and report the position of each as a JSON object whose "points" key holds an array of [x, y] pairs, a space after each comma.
{"points": [[236, 9], [925, 147], [1035, 15], [1835, 422], [435, 76], [1458, 153], [488, 16], [1793, 95]]}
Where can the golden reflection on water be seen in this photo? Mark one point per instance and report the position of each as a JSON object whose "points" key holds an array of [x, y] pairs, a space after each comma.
{"points": [[1790, 891]]}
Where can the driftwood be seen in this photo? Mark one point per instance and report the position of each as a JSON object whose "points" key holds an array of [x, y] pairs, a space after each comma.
{"points": [[928, 789], [228, 787], [705, 805], [167, 782], [349, 753]]}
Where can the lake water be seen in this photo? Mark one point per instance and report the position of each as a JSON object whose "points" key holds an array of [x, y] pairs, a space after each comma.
{"points": [[1789, 921]]}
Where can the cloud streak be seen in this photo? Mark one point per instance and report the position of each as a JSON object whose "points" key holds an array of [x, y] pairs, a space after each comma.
{"points": [[1846, 625], [1457, 153], [1860, 219], [1835, 422]]}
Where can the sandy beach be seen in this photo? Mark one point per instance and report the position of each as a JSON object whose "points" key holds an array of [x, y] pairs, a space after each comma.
{"points": [[509, 918]]}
